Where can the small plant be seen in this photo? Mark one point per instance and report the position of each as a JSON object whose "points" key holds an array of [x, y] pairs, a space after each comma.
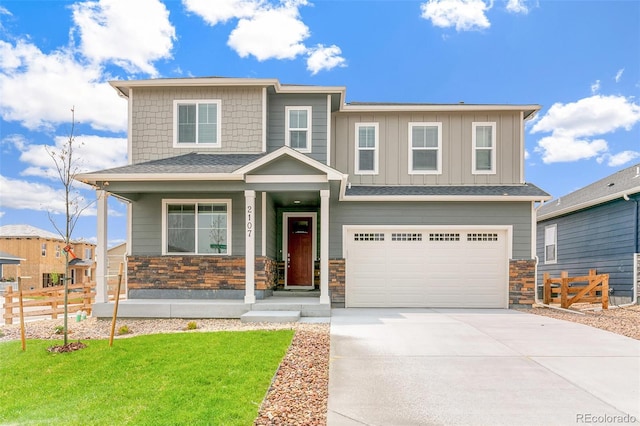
{"points": [[192, 325], [58, 329], [124, 330]]}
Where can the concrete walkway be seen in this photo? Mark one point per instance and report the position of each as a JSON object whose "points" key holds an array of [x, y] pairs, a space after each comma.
{"points": [[478, 367]]}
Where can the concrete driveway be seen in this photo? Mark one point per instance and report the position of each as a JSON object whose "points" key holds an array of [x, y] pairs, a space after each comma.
{"points": [[478, 367]]}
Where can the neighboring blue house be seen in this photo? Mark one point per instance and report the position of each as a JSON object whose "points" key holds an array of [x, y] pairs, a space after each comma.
{"points": [[595, 227]]}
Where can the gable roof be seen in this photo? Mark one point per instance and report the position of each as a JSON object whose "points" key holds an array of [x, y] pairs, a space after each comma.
{"points": [[623, 183], [196, 166], [27, 231]]}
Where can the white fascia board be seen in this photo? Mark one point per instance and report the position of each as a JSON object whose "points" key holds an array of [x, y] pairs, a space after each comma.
{"points": [[441, 198], [331, 173], [437, 107], [157, 177], [588, 204], [286, 178]]}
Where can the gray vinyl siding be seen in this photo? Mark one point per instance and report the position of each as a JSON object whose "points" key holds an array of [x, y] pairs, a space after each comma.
{"points": [[517, 214], [146, 221], [152, 120], [393, 167], [271, 230], [276, 122], [602, 238]]}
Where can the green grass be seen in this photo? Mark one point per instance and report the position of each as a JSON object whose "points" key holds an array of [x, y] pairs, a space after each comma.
{"points": [[173, 379]]}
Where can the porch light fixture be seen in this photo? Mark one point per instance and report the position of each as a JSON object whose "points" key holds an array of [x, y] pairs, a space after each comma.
{"points": [[296, 201]]}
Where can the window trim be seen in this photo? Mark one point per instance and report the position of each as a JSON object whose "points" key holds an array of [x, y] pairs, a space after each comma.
{"points": [[197, 102], [413, 124], [553, 227], [494, 149], [196, 201], [376, 148], [287, 133]]}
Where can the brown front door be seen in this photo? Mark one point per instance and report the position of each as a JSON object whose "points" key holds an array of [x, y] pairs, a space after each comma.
{"points": [[300, 251]]}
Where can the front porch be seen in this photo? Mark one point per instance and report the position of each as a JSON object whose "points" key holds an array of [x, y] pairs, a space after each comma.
{"points": [[297, 304]]}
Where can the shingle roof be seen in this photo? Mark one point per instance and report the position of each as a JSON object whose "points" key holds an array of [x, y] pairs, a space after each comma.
{"points": [[526, 190], [188, 163], [27, 231], [626, 181]]}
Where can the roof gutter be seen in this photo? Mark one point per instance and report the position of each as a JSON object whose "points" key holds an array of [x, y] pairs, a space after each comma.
{"points": [[588, 204]]}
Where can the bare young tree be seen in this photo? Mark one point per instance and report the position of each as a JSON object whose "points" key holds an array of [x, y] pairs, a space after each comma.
{"points": [[67, 168]]}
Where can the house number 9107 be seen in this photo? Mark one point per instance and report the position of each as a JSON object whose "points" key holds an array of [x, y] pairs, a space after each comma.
{"points": [[249, 220]]}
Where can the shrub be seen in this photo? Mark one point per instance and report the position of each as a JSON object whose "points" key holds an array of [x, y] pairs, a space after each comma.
{"points": [[58, 329], [124, 330], [191, 325]]}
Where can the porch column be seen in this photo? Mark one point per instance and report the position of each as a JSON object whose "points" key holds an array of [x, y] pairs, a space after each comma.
{"points": [[250, 246], [102, 294], [324, 246]]}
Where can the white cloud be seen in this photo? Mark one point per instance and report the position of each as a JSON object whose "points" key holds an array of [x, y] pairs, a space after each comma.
{"points": [[557, 149], [268, 30], [517, 6], [223, 10], [464, 15], [574, 125], [91, 153], [23, 195], [620, 158], [595, 115], [132, 35], [39, 89], [324, 58], [270, 33], [619, 75], [595, 87]]}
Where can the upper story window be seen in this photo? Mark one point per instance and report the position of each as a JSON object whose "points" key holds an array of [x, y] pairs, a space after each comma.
{"points": [[196, 122], [298, 132], [551, 244], [484, 147], [88, 253], [366, 148], [57, 251], [425, 148], [196, 226], [43, 249]]}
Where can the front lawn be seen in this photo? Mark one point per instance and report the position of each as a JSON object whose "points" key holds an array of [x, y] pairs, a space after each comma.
{"points": [[217, 378]]}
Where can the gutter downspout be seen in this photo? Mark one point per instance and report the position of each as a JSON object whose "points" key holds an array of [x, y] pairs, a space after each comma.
{"points": [[534, 236], [634, 300]]}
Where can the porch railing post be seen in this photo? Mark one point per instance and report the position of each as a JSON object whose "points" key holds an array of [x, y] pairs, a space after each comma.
{"points": [[250, 246], [324, 247]]}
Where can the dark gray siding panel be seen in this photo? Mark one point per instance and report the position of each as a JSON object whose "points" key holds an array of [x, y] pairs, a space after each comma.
{"points": [[517, 214], [602, 238], [276, 122], [146, 226], [271, 228]]}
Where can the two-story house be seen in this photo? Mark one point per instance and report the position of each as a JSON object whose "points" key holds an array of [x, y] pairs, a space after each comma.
{"points": [[398, 205]]}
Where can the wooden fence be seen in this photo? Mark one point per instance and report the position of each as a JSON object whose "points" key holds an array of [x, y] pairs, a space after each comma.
{"points": [[569, 290], [49, 300]]}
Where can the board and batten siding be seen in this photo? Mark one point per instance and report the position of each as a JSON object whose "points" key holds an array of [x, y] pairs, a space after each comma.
{"points": [[152, 121], [276, 122], [600, 238], [516, 214], [457, 148]]}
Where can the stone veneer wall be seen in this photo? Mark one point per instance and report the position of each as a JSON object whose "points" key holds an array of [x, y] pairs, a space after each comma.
{"points": [[197, 273], [522, 283], [337, 269]]}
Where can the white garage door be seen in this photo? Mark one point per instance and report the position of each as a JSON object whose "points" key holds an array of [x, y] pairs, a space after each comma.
{"points": [[426, 267]]}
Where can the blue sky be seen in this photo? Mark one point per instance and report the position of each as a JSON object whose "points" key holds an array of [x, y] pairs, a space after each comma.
{"points": [[580, 60]]}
